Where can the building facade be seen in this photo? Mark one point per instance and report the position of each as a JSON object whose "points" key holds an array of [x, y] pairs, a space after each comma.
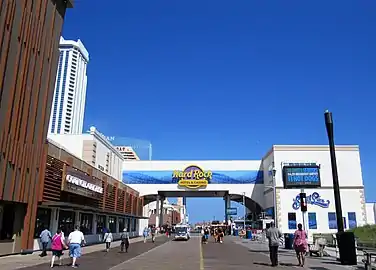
{"points": [[127, 152], [76, 193], [371, 213], [94, 148], [262, 184], [171, 213], [68, 107], [29, 59]]}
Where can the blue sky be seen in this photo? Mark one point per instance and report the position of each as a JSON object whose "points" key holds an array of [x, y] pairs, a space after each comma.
{"points": [[227, 79]]}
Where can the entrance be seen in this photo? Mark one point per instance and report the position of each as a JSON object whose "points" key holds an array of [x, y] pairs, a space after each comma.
{"points": [[164, 215]]}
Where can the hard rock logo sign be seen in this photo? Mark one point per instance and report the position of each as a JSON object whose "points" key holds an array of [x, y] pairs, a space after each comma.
{"points": [[192, 177]]}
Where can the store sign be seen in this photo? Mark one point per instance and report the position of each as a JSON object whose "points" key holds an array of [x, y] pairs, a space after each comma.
{"points": [[81, 184], [301, 176], [313, 199], [192, 177]]}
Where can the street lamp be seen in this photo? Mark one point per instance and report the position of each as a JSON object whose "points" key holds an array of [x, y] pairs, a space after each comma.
{"points": [[274, 171], [345, 240]]}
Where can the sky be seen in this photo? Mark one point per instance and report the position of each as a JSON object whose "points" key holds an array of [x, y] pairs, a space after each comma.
{"points": [[205, 79]]}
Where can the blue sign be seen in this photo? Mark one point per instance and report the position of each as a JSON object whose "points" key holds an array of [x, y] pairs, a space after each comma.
{"points": [[313, 199], [217, 177], [232, 211], [301, 176]]}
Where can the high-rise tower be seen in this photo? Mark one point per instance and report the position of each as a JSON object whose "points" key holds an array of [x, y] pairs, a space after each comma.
{"points": [[68, 106]]}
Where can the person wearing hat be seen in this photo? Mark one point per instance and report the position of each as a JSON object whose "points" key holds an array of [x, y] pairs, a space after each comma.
{"points": [[124, 240]]}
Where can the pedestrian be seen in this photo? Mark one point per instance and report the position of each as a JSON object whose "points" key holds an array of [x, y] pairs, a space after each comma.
{"points": [[75, 240], [273, 234], [300, 244], [57, 246], [146, 234], [108, 239], [45, 237], [124, 237], [153, 231]]}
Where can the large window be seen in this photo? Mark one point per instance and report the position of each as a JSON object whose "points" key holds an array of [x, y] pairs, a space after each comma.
{"points": [[128, 224], [66, 221], [101, 224], [134, 224], [121, 224], [42, 221], [352, 220], [86, 225], [292, 221], [112, 224], [332, 220], [312, 222]]}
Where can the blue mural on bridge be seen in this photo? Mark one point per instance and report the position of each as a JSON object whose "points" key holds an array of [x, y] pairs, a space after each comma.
{"points": [[218, 177]]}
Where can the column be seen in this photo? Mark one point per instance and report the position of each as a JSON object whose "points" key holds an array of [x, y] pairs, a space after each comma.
{"points": [[157, 211], [54, 220], [184, 210], [161, 212], [95, 223], [227, 205]]}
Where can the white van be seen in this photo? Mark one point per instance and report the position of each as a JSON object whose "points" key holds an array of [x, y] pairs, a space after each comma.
{"points": [[182, 232]]}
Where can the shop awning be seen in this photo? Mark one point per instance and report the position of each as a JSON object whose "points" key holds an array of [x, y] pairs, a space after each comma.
{"points": [[78, 207]]}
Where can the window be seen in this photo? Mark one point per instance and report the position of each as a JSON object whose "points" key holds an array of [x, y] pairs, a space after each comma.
{"points": [[42, 221], [121, 224], [344, 222], [292, 221], [332, 220], [352, 220], [128, 224], [66, 221], [112, 224], [86, 225], [312, 222], [101, 224]]}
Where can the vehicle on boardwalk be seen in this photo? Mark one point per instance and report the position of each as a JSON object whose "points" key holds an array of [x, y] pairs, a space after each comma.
{"points": [[182, 232]]}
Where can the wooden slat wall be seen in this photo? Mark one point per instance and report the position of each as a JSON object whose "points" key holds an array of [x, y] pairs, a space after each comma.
{"points": [[29, 38], [117, 197]]}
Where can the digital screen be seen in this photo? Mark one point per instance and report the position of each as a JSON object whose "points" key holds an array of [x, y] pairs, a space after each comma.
{"points": [[300, 177]]}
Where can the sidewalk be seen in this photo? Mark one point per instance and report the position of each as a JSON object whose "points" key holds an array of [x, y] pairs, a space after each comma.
{"points": [[20, 261], [288, 257]]}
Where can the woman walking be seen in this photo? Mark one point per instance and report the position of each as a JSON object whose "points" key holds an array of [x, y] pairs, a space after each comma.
{"points": [[300, 244], [124, 241], [145, 234], [108, 239], [57, 246]]}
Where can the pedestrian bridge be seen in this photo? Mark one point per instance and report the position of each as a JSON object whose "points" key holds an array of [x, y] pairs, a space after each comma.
{"points": [[198, 179]]}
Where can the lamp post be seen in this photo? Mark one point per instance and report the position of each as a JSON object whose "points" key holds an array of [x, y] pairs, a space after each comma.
{"points": [[337, 195], [274, 171], [345, 240]]}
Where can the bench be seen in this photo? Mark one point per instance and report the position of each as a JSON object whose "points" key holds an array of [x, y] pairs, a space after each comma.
{"points": [[368, 256]]}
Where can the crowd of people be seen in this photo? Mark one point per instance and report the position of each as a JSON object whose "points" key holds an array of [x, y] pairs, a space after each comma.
{"points": [[75, 242]]}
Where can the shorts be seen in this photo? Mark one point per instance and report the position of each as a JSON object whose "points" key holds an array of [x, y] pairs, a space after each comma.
{"points": [[206, 236], [75, 250], [57, 253]]}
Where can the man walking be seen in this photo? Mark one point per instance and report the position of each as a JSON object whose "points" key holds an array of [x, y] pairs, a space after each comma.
{"points": [[45, 237], [273, 234]]}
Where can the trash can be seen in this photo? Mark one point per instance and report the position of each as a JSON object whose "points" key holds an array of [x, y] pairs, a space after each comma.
{"points": [[249, 234], [289, 239]]}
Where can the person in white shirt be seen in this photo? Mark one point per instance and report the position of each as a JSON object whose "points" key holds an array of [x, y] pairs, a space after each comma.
{"points": [[75, 240], [108, 239]]}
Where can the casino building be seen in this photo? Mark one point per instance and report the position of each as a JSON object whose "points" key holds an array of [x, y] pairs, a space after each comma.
{"points": [[270, 186]]}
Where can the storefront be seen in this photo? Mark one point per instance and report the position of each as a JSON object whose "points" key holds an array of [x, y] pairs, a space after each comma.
{"points": [[75, 193]]}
